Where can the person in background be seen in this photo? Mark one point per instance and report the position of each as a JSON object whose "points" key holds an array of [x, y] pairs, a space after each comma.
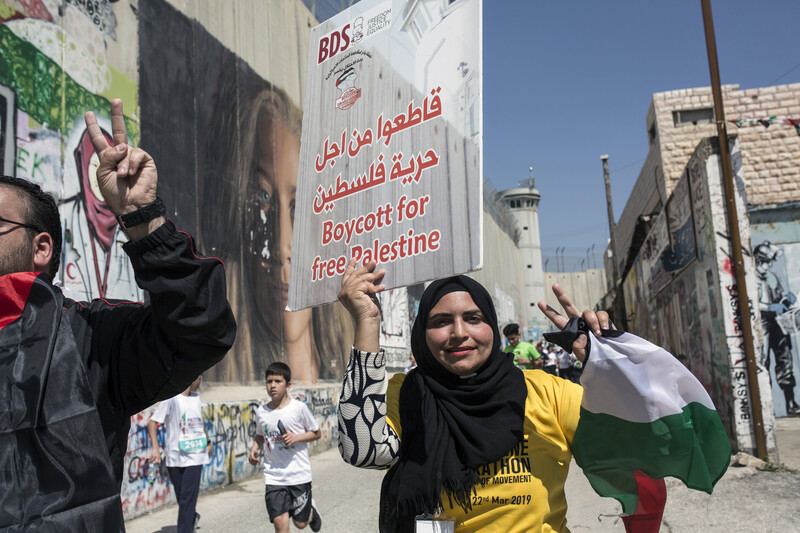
{"points": [[188, 448], [525, 355], [564, 364], [284, 426], [550, 360]]}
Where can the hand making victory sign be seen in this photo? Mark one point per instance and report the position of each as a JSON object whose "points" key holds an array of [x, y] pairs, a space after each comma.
{"points": [[126, 176], [594, 320]]}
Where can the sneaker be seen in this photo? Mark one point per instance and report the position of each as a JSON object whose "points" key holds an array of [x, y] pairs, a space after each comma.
{"points": [[195, 525], [316, 521]]}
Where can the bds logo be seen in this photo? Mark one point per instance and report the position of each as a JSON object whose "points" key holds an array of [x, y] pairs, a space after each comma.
{"points": [[333, 43]]}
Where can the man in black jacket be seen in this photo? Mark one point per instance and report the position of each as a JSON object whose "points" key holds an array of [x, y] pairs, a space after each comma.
{"points": [[72, 373]]}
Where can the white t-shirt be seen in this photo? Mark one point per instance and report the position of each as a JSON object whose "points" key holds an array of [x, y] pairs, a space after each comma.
{"points": [[186, 439], [552, 359], [285, 465], [564, 360]]}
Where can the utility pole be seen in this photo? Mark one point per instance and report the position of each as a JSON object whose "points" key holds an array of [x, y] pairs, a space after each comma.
{"points": [[611, 225], [736, 241]]}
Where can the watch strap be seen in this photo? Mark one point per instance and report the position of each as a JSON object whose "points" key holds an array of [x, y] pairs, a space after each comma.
{"points": [[142, 215]]}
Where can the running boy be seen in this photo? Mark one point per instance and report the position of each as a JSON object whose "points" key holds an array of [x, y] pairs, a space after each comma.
{"points": [[283, 427]]}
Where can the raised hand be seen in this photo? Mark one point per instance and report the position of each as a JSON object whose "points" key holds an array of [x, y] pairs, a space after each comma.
{"points": [[595, 320], [360, 285], [126, 176]]}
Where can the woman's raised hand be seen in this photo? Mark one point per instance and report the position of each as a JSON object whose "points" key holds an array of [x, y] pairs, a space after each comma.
{"points": [[360, 285], [595, 320]]}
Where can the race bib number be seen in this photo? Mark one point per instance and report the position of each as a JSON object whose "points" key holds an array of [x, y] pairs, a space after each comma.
{"points": [[192, 443]]}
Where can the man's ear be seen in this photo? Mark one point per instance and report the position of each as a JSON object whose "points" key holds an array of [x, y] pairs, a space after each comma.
{"points": [[42, 252]]}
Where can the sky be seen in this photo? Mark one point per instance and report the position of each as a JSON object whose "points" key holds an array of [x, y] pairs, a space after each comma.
{"points": [[566, 81]]}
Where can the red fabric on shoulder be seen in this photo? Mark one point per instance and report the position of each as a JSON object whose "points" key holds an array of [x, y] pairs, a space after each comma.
{"points": [[14, 290], [650, 506]]}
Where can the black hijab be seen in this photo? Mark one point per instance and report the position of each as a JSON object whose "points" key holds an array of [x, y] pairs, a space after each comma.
{"points": [[451, 425]]}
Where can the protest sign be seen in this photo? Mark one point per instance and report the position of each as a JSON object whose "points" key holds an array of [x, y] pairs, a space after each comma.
{"points": [[391, 152]]}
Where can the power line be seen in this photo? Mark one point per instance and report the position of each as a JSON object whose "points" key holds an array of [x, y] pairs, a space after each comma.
{"points": [[628, 165], [782, 75]]}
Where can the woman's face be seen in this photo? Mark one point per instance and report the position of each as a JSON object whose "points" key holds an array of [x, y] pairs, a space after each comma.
{"points": [[458, 335], [274, 179]]}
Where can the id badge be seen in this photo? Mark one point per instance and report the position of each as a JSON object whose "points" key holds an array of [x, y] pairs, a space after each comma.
{"points": [[434, 524], [192, 443]]}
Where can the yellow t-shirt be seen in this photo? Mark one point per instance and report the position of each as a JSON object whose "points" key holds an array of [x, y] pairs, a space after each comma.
{"points": [[524, 491]]}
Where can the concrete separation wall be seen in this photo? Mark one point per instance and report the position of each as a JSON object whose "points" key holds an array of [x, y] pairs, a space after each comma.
{"points": [[231, 428], [681, 292]]}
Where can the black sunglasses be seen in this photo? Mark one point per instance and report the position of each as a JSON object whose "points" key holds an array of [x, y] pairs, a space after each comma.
{"points": [[34, 228]]}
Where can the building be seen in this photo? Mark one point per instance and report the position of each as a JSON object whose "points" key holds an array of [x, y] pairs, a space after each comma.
{"points": [[678, 120], [672, 249]]}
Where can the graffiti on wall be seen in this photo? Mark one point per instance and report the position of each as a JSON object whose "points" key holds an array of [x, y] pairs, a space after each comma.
{"points": [[99, 12], [395, 334], [52, 69], [731, 309], [778, 275], [242, 184], [231, 428], [670, 245], [696, 314], [138, 493]]}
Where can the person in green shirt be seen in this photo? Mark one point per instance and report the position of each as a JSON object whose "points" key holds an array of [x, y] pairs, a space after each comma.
{"points": [[525, 355]]}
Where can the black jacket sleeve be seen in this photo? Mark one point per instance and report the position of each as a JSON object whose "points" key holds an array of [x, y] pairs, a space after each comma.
{"points": [[137, 354]]}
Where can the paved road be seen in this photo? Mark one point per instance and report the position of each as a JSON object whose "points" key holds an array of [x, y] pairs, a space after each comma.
{"points": [[745, 500]]}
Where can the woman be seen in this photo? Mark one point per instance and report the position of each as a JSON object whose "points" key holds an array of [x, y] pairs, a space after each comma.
{"points": [[249, 202], [466, 431]]}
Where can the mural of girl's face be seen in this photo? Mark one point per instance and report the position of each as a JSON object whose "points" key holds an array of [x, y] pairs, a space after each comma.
{"points": [[274, 188]]}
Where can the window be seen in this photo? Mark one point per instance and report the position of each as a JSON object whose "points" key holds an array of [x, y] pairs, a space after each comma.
{"points": [[533, 304], [525, 227], [693, 116], [530, 266], [652, 133]]}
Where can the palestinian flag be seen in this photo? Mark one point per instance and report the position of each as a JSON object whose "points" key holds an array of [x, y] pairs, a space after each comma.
{"points": [[644, 417], [345, 75]]}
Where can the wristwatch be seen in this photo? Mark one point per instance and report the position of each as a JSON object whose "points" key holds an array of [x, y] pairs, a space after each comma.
{"points": [[142, 215]]}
